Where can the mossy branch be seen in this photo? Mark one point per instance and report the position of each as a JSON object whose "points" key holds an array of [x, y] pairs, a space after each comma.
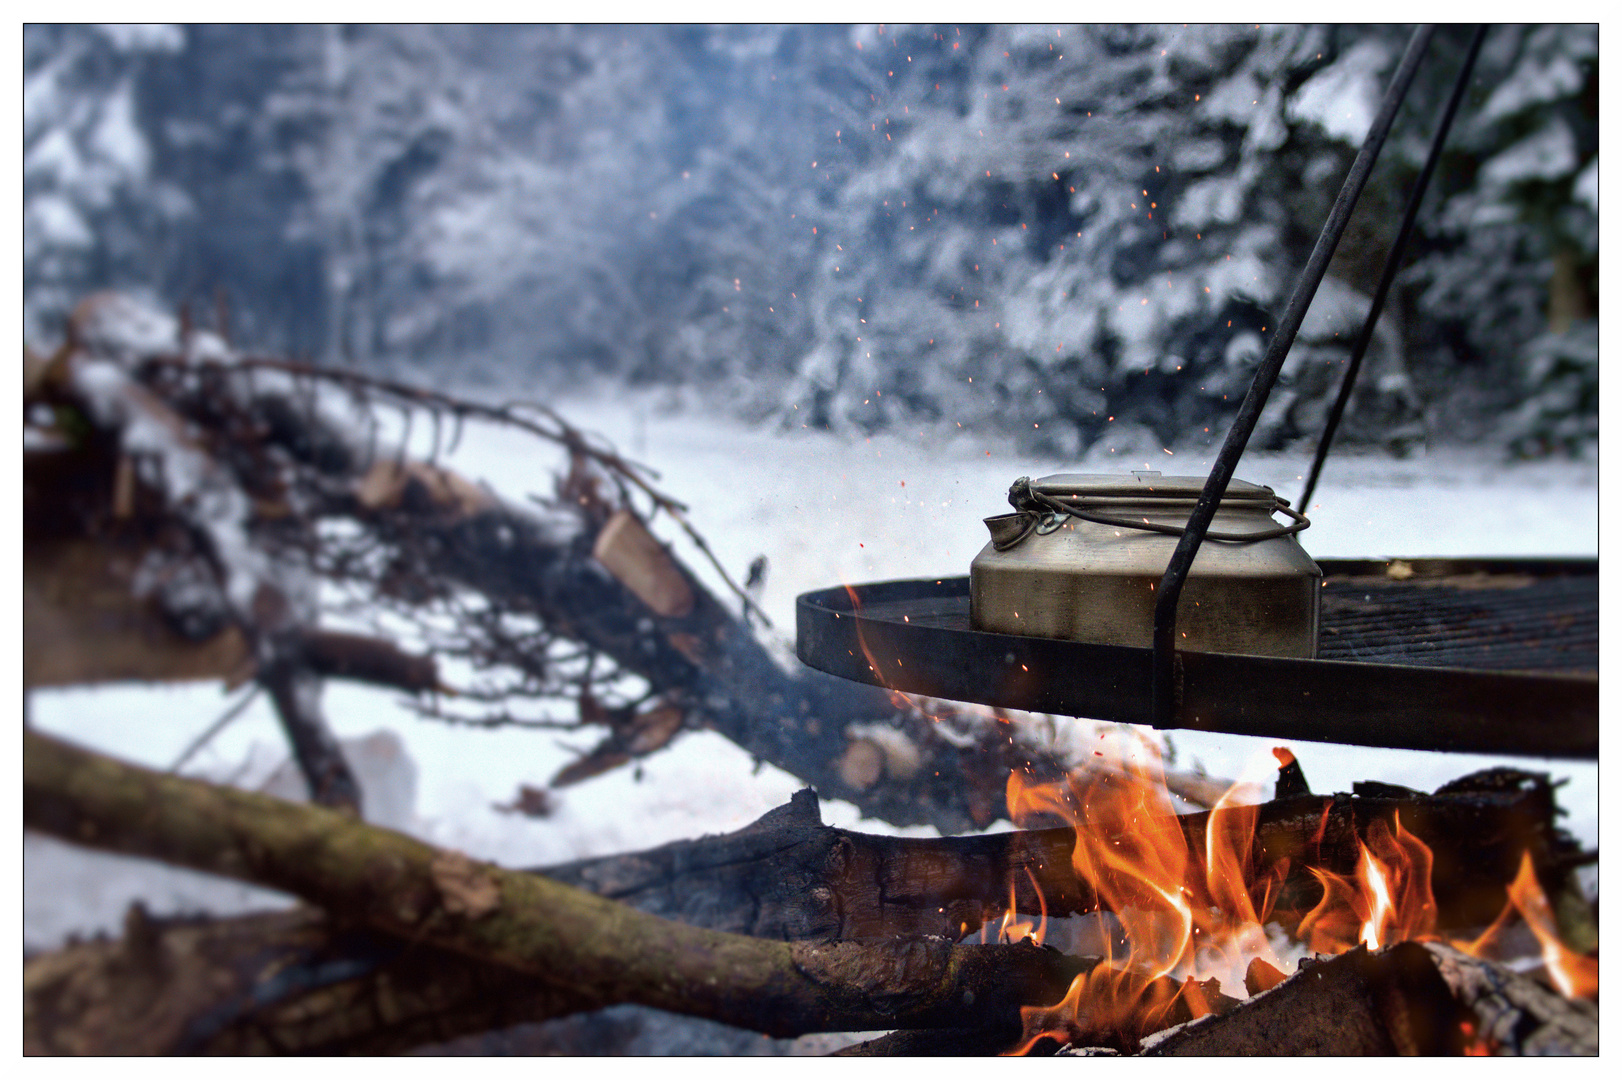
{"points": [[596, 951]]}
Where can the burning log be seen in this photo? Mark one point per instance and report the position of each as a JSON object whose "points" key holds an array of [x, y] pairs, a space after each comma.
{"points": [[1410, 999], [789, 876], [786, 877], [1393, 1002]]}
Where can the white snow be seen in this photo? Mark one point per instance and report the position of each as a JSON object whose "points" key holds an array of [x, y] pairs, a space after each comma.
{"points": [[823, 510], [1548, 154], [116, 137], [52, 221], [189, 476], [1344, 97], [118, 324], [144, 37], [1547, 71], [1585, 189]]}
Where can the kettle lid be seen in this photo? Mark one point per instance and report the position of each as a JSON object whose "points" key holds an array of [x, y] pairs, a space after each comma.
{"points": [[1141, 485]]}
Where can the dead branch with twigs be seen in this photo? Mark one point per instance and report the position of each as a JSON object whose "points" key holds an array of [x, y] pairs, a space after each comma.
{"points": [[256, 497]]}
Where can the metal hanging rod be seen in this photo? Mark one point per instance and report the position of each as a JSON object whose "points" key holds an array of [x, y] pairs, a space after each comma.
{"points": [[1163, 681], [1393, 263]]}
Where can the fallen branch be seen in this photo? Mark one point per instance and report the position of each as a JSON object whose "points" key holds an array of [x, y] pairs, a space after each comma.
{"points": [[594, 951], [572, 600]]}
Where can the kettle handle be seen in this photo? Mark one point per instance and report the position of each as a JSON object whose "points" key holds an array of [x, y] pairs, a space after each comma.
{"points": [[1032, 504]]}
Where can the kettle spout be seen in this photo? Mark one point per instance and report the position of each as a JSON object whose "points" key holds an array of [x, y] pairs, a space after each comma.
{"points": [[1009, 529]]}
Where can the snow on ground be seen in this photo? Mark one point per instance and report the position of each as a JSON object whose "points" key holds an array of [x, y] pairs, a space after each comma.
{"points": [[824, 510]]}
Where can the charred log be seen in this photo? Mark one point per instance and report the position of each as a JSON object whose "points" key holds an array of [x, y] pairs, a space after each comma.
{"points": [[1410, 999], [789, 876]]}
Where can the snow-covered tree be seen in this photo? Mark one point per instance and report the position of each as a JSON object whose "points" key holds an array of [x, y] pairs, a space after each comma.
{"points": [[1073, 233], [90, 207], [1511, 274]]}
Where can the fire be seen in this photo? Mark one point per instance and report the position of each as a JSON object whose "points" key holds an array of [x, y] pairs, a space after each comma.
{"points": [[1573, 973], [1193, 908], [1188, 911], [1388, 900], [1014, 929]]}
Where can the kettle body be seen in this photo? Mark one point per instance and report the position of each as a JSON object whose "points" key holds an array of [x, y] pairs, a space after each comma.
{"points": [[1090, 574]]}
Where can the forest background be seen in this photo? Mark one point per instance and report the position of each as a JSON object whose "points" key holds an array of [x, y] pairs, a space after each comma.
{"points": [[1073, 235]]}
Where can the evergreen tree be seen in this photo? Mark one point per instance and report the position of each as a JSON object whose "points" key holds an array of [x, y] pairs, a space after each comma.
{"points": [[1074, 233]]}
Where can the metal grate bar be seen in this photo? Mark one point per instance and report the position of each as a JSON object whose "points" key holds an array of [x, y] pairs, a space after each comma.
{"points": [[1499, 623]]}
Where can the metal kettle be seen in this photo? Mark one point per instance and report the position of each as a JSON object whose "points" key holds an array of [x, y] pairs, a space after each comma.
{"points": [[1082, 555]]}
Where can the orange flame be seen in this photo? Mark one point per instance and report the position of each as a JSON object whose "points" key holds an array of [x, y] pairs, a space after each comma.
{"points": [[1192, 912], [1015, 930], [1573, 973], [1387, 901], [1187, 913]]}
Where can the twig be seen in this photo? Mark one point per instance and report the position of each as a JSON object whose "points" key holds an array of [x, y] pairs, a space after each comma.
{"points": [[216, 727]]}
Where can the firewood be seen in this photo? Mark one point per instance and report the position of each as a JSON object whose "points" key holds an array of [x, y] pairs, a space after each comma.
{"points": [[595, 950], [1336, 1007], [788, 875], [1515, 1013], [1409, 999]]}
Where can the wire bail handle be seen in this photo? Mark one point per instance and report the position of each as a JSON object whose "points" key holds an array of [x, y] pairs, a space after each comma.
{"points": [[1042, 513]]}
